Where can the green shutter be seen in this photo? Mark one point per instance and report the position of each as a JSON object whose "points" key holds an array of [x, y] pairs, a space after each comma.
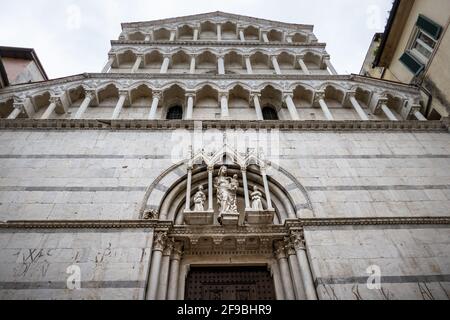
{"points": [[412, 63], [429, 26]]}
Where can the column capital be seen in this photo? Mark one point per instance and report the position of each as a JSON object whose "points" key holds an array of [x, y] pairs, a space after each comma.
{"points": [[288, 94], [225, 94], [169, 247], [298, 239], [159, 242], [210, 168], [279, 251], [319, 95], [123, 92], [191, 94], [90, 93], [300, 56], [243, 168], [177, 251], [56, 100], [254, 94], [381, 100], [167, 55], [289, 246], [157, 94]]}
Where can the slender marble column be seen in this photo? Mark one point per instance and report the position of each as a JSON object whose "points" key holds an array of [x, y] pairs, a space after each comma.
{"points": [[289, 39], [190, 106], [164, 272], [248, 65], [172, 35], [300, 249], [119, 106], [219, 32], [221, 65], [267, 189], [284, 270], [291, 106], [276, 66], [192, 67], [137, 64], [224, 104], [86, 102], [265, 38], [277, 280], [258, 110], [330, 67], [18, 109], [156, 97], [182, 281], [195, 37], [245, 186], [148, 38], [358, 108], [295, 271], [210, 188], [108, 65], [419, 116], [388, 112], [158, 247], [54, 101], [320, 98], [241, 35], [165, 65], [174, 271], [304, 67], [188, 190]]}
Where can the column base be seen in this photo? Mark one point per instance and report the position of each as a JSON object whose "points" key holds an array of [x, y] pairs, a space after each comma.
{"points": [[229, 219], [259, 217], [199, 218]]}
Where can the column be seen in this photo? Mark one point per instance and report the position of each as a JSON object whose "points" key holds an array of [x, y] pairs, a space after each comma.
{"points": [[302, 64], [330, 66], [172, 35], [158, 247], [210, 188], [148, 38], [358, 107], [219, 32], [276, 66], [248, 65], [241, 35], [182, 281], [54, 101], [108, 65], [265, 38], [18, 109], [245, 186], [86, 102], [419, 116], [289, 39], [221, 65], [305, 270], [295, 271], [137, 64], [388, 112], [224, 104], [188, 189], [195, 37], [284, 270], [165, 64], [122, 97], [258, 110], [156, 97], [192, 67], [320, 98], [277, 281], [164, 273], [174, 271], [291, 106], [190, 106], [266, 189]]}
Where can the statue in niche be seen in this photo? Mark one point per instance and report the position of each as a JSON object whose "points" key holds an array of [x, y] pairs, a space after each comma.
{"points": [[199, 200], [226, 192], [256, 197]]}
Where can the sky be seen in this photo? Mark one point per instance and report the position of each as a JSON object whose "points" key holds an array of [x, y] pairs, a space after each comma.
{"points": [[73, 36]]}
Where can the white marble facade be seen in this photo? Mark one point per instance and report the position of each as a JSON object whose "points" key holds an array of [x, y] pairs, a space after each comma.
{"points": [[102, 171]]}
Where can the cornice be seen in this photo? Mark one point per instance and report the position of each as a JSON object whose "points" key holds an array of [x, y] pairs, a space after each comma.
{"points": [[282, 125], [272, 230], [203, 43]]}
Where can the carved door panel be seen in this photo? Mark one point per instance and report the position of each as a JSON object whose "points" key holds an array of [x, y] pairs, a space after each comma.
{"points": [[233, 283]]}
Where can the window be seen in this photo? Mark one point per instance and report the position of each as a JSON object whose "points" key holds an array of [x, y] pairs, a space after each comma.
{"points": [[423, 46], [175, 113], [269, 113]]}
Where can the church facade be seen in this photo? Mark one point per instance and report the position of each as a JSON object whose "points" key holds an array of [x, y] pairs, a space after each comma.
{"points": [[219, 156]]}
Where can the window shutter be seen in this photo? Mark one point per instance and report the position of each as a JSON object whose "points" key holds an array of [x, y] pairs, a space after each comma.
{"points": [[412, 63], [429, 26]]}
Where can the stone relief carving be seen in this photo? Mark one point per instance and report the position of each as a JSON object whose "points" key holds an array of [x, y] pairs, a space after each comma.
{"points": [[151, 214]]}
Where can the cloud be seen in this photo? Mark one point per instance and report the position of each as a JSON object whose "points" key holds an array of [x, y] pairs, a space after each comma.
{"points": [[74, 37]]}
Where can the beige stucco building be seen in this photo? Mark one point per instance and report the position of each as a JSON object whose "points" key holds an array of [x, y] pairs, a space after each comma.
{"points": [[415, 49], [219, 156]]}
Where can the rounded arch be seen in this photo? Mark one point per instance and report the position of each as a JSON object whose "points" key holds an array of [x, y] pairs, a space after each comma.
{"points": [[206, 62], [303, 94], [271, 97], [208, 30], [275, 35], [234, 62], [180, 61], [334, 93], [238, 97], [127, 57], [251, 33], [207, 96], [136, 36], [161, 34], [141, 94], [107, 92], [186, 32], [229, 31], [6, 107], [153, 59], [300, 37]]}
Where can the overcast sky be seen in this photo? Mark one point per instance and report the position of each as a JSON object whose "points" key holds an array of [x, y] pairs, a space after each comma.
{"points": [[73, 36]]}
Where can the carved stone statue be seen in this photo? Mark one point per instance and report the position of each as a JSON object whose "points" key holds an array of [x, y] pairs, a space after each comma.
{"points": [[226, 192], [256, 197], [199, 200]]}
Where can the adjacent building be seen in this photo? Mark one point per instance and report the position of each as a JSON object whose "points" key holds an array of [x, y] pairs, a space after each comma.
{"points": [[219, 156]]}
